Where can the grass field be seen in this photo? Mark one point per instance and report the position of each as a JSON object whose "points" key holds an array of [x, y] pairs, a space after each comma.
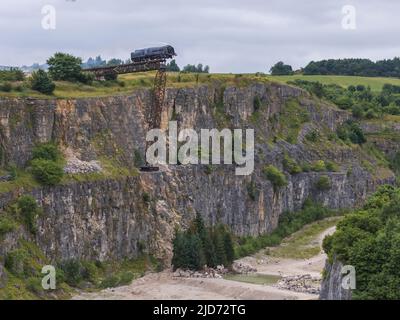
{"points": [[304, 243], [263, 279], [376, 84], [128, 82]]}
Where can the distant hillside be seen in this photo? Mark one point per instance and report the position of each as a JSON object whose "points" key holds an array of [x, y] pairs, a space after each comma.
{"points": [[27, 69]]}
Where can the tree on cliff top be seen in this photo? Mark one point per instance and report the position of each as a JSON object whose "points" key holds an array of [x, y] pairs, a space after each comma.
{"points": [[63, 66], [280, 69]]}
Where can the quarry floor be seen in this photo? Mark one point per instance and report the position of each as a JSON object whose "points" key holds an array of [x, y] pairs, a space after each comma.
{"points": [[163, 285]]}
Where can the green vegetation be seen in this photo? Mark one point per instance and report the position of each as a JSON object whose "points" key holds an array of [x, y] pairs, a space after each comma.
{"points": [[7, 224], [281, 69], [46, 151], [289, 223], [290, 120], [24, 211], [368, 239], [323, 183], [331, 166], [275, 176], [41, 82], [23, 267], [263, 279], [172, 66], [23, 179], [100, 275], [196, 69], [304, 243], [252, 190], [290, 165], [361, 100], [199, 246], [312, 136], [66, 67], [318, 166], [6, 87], [257, 104], [354, 67], [395, 163], [14, 74], [29, 211], [375, 83], [351, 131], [47, 172], [47, 164]]}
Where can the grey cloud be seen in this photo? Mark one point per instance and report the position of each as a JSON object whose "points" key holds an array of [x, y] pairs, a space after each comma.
{"points": [[229, 35]]}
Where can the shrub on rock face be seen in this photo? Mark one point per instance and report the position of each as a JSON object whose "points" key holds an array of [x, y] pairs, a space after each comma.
{"points": [[47, 172], [47, 151], [30, 211], [331, 166], [277, 178], [351, 131], [291, 165], [323, 183], [6, 225], [318, 166]]}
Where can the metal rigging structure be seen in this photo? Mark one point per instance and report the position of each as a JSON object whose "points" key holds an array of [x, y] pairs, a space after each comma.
{"points": [[160, 81]]}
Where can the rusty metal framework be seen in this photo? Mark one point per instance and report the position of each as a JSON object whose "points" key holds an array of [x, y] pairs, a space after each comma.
{"points": [[101, 72], [160, 81]]}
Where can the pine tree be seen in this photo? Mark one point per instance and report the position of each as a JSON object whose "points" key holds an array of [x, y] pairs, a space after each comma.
{"points": [[41, 82], [179, 251], [220, 246], [228, 244], [195, 255]]}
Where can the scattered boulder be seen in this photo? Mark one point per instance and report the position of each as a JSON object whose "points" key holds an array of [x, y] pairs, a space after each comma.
{"points": [[205, 273], [242, 268], [6, 178], [75, 165], [300, 283]]}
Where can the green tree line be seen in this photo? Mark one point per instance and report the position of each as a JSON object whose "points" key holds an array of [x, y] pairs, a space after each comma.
{"points": [[369, 240], [200, 245]]}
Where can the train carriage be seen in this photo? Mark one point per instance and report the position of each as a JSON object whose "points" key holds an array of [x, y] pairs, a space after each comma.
{"points": [[148, 54]]}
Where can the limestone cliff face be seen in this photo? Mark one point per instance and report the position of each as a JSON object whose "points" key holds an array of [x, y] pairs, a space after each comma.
{"points": [[331, 286], [112, 219]]}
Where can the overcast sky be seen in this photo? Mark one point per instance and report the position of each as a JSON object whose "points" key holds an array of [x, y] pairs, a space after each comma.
{"points": [[229, 35]]}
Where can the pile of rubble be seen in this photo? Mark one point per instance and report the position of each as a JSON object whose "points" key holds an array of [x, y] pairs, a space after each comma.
{"points": [[217, 273], [75, 165], [301, 283], [242, 268]]}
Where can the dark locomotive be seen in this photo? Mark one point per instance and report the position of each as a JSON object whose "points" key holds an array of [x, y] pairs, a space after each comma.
{"points": [[148, 54]]}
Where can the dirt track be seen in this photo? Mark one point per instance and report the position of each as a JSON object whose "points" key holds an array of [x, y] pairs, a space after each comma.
{"points": [[164, 286]]}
